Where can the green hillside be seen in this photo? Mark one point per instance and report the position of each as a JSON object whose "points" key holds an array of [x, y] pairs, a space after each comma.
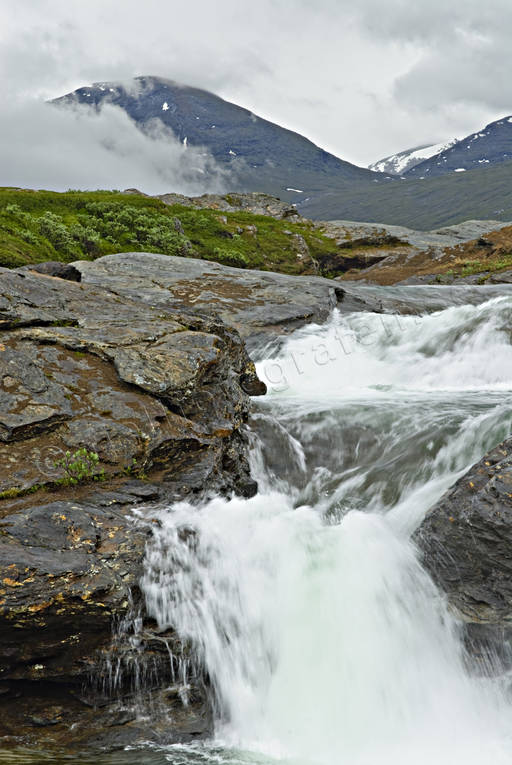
{"points": [[36, 226]]}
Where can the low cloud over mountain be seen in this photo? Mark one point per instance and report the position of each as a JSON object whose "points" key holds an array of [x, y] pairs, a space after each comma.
{"points": [[46, 147]]}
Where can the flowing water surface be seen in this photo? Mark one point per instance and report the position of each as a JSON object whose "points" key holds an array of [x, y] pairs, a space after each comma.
{"points": [[324, 639]]}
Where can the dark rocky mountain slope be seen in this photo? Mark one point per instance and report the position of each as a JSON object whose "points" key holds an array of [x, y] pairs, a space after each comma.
{"points": [[258, 154], [490, 146], [484, 193]]}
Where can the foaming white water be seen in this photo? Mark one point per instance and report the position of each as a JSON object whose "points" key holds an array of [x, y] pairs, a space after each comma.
{"points": [[463, 348], [324, 639], [325, 643]]}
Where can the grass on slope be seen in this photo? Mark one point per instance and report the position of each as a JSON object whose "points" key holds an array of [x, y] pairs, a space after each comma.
{"points": [[482, 193], [36, 226]]}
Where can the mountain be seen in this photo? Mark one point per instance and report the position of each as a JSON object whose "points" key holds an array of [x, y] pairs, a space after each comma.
{"points": [[259, 154], [490, 146], [484, 194], [262, 156], [397, 164]]}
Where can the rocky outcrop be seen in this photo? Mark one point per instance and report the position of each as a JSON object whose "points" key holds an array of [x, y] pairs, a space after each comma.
{"points": [[466, 543], [107, 403], [470, 252], [253, 202], [137, 384], [261, 305], [55, 268]]}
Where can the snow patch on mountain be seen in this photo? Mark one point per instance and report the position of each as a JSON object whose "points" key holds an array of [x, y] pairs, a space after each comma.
{"points": [[404, 160]]}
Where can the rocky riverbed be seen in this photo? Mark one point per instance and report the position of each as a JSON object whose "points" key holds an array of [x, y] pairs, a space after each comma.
{"points": [[125, 383], [125, 386]]}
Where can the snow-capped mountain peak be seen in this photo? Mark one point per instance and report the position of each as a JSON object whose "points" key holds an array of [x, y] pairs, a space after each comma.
{"points": [[396, 164]]}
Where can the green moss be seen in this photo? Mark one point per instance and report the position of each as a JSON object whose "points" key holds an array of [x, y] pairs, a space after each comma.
{"points": [[16, 491], [11, 493]]}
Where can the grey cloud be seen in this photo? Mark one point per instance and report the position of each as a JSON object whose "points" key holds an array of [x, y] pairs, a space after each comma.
{"points": [[434, 21], [44, 146], [361, 79], [474, 71]]}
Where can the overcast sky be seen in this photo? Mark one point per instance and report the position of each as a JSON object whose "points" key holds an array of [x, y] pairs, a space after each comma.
{"points": [[362, 79]]}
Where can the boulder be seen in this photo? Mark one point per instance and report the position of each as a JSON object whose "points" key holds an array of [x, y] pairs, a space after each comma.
{"points": [[466, 545]]}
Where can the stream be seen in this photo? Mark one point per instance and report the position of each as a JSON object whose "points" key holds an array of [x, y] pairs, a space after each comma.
{"points": [[325, 641]]}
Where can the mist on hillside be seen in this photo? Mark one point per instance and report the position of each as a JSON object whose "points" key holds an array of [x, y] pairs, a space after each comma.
{"points": [[44, 146]]}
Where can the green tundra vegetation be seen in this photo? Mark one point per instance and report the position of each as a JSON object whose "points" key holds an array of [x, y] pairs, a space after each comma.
{"points": [[36, 226]]}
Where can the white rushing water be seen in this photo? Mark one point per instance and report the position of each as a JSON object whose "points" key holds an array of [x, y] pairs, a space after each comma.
{"points": [[323, 638]]}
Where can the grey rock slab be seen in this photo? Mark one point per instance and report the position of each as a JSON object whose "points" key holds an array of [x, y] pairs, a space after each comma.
{"points": [[449, 236], [257, 303], [502, 277]]}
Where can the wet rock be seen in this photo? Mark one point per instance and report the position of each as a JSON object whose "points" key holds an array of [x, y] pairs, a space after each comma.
{"points": [[55, 268], [141, 387], [501, 277], [159, 396], [337, 263], [466, 543], [261, 305], [52, 717]]}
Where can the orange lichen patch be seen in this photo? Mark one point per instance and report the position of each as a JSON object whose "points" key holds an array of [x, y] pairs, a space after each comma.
{"points": [[222, 433], [75, 535], [12, 582], [39, 606]]}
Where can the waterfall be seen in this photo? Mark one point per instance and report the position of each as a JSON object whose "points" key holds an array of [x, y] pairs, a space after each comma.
{"points": [[323, 638]]}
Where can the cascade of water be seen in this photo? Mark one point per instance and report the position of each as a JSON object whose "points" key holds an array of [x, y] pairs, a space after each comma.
{"points": [[323, 638]]}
